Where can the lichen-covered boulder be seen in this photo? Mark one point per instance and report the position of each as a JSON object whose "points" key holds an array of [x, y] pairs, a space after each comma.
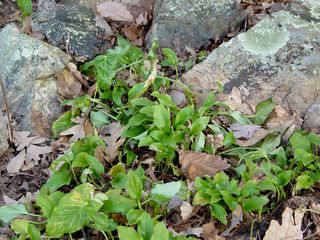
{"points": [[306, 9], [73, 28], [4, 135], [194, 22], [278, 58], [27, 68]]}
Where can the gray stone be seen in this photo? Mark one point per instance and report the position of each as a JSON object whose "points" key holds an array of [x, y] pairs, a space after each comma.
{"points": [[27, 66], [306, 9], [134, 6], [4, 135], [194, 22], [73, 28], [312, 118], [279, 58]]}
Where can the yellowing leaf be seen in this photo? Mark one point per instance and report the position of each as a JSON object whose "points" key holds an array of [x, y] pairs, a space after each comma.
{"points": [[290, 229]]}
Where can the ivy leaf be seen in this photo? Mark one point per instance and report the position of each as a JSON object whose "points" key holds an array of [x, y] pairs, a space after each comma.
{"points": [[58, 179], [162, 117], [171, 58], [263, 111], [102, 222], [9, 212], [48, 202]]}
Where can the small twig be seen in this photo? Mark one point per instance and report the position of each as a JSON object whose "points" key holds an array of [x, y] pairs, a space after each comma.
{"points": [[4, 96]]}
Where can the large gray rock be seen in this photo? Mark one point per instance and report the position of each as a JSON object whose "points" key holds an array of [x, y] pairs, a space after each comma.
{"points": [[27, 66], [278, 58], [194, 22], [4, 135], [73, 28], [307, 9]]}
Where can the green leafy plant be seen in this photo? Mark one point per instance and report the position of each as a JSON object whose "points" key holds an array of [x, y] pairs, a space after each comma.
{"points": [[25, 7]]}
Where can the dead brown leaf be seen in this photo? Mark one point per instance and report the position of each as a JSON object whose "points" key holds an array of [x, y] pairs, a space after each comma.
{"points": [[68, 85], [258, 135], [244, 131], [290, 229], [210, 232], [186, 210], [17, 162], [114, 141], [114, 11], [201, 164], [76, 131], [237, 218]]}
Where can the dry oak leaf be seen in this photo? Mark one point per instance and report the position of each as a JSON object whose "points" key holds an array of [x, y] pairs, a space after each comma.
{"points": [[79, 131], [115, 11], [114, 141], [201, 164], [290, 229], [210, 232], [258, 135], [244, 131]]}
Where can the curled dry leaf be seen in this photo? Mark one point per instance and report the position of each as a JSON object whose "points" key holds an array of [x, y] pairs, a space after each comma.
{"points": [[76, 131], [68, 85], [258, 135], [210, 232], [16, 162], [201, 164], [186, 210], [114, 11], [237, 218], [290, 229]]}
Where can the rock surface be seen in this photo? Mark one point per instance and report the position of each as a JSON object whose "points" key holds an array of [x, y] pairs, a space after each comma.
{"points": [[278, 58], [4, 135], [306, 9], [194, 22], [27, 66], [134, 6], [73, 28]]}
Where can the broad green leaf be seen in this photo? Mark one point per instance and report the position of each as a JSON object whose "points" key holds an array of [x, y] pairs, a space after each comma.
{"points": [[136, 120], [133, 215], [297, 140], [20, 226], [303, 156], [271, 143], [117, 94], [145, 226], [229, 200], [25, 7], [145, 142], [164, 99], [184, 115], [73, 211], [102, 222], [313, 138], [229, 139], [87, 144], [201, 198], [164, 192], [249, 188], [240, 118], [157, 135], [254, 203], [148, 111], [47, 202], [304, 181], [117, 203], [208, 103], [284, 177], [134, 185], [127, 233], [9, 212], [34, 232], [58, 179], [218, 212], [99, 118], [80, 103], [162, 117], [199, 125], [83, 160], [263, 111], [171, 58], [199, 142], [142, 102], [62, 123], [160, 232]]}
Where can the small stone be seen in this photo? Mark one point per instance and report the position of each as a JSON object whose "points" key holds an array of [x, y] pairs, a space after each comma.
{"points": [[312, 119]]}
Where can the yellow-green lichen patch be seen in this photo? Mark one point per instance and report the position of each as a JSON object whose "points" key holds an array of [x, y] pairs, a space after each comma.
{"points": [[266, 38]]}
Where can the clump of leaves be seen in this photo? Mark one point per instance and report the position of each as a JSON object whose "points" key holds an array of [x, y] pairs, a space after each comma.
{"points": [[25, 7]]}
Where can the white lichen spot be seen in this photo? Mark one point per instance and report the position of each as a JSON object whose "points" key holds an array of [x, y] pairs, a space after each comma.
{"points": [[315, 11], [265, 38]]}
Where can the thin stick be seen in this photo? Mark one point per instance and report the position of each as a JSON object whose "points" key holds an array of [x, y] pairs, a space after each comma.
{"points": [[4, 96]]}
